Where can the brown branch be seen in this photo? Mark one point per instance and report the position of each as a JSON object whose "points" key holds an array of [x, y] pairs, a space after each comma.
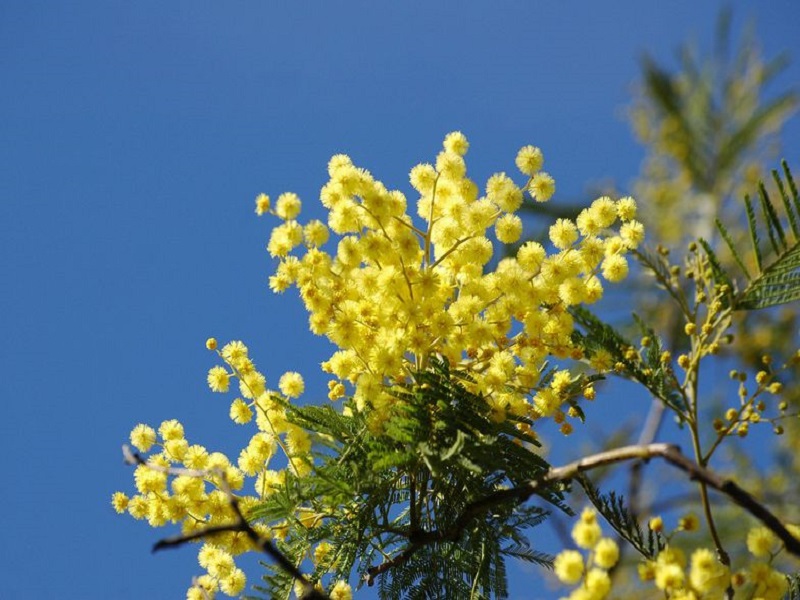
{"points": [[239, 525], [669, 452]]}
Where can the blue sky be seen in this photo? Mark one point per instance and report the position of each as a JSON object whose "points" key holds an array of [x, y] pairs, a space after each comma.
{"points": [[135, 136]]}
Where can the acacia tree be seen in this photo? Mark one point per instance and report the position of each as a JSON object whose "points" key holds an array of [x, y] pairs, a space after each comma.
{"points": [[416, 473]]}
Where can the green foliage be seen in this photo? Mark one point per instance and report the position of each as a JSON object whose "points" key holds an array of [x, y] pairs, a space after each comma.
{"points": [[708, 127], [407, 495], [613, 509], [278, 583], [705, 106], [777, 281], [649, 369]]}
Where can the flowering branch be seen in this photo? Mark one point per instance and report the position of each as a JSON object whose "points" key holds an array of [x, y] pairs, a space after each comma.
{"points": [[239, 525], [669, 452]]}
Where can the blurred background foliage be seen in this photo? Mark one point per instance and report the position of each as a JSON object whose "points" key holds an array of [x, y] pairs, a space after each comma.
{"points": [[711, 129], [711, 133]]}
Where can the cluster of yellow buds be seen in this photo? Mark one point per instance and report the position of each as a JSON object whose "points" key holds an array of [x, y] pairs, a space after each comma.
{"points": [[754, 402]]}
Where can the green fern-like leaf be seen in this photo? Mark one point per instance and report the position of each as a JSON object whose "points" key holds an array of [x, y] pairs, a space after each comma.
{"points": [[732, 247], [719, 274], [526, 553], [613, 509], [753, 228], [774, 228], [651, 372], [439, 452], [787, 204], [772, 289], [792, 187], [776, 282]]}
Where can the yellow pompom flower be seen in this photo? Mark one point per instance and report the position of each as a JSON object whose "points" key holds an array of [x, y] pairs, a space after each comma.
{"points": [[341, 590], [315, 233], [291, 384], [206, 554], [606, 553], [204, 588], [288, 206], [615, 268], [597, 583], [195, 593], [563, 234], [668, 576], [542, 187], [211, 343], [656, 524], [604, 210], [335, 391], [626, 208], [456, 142], [529, 160], [249, 462], [586, 531], [508, 228], [252, 385], [176, 449], [422, 177], [143, 437], [321, 552], [218, 379], [279, 242], [451, 165], [262, 204], [707, 574], [120, 502], [502, 191], [240, 412], [196, 457], [234, 353], [633, 233], [530, 256], [338, 161], [220, 564], [646, 570], [568, 566], [587, 222], [171, 430], [761, 542]]}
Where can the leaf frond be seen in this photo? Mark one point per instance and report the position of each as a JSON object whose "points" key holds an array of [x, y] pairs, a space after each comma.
{"points": [[613, 509]]}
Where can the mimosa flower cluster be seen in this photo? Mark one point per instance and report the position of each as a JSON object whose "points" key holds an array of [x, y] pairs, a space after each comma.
{"points": [[399, 289], [591, 572], [199, 498], [195, 500], [701, 577], [704, 577]]}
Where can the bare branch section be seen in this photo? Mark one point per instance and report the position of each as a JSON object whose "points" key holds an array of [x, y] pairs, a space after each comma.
{"points": [[669, 452], [239, 525]]}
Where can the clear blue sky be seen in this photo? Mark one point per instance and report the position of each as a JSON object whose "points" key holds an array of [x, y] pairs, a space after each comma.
{"points": [[135, 136]]}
